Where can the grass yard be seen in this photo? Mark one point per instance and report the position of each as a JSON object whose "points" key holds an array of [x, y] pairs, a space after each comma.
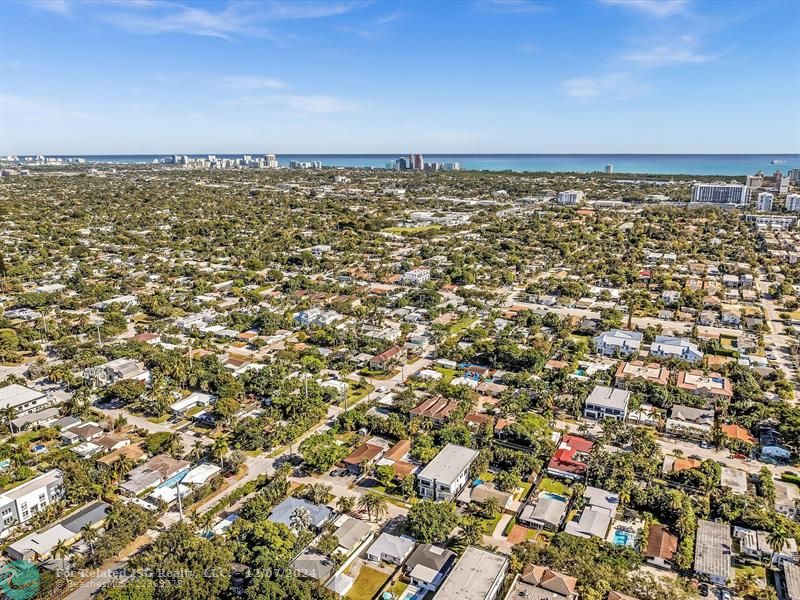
{"points": [[397, 589], [462, 324], [525, 488], [553, 486], [447, 374], [367, 584]]}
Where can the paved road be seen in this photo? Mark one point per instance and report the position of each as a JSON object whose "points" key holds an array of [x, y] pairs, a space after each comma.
{"points": [[188, 439], [776, 337]]}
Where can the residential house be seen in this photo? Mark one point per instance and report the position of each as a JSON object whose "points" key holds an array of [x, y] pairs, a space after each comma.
{"points": [[542, 583], [618, 342], [478, 575], [713, 553], [652, 373], [195, 399], [154, 472], [546, 512], [689, 422], [661, 546], [447, 474], [387, 359], [712, 386], [791, 581], [283, 513], [571, 458], [667, 346], [23, 400], [754, 544], [416, 276], [390, 548], [786, 498], [21, 503], [365, 454], [351, 533], [428, 565], [607, 403], [438, 409], [599, 510]]}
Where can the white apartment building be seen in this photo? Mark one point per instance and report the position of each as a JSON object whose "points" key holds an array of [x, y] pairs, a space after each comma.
{"points": [[668, 346], [792, 203], [447, 474], [607, 403], [23, 502], [416, 276], [23, 399], [764, 202], [730, 193], [570, 197], [618, 341]]}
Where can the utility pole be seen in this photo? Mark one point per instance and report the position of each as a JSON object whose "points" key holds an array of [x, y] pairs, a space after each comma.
{"points": [[99, 340]]}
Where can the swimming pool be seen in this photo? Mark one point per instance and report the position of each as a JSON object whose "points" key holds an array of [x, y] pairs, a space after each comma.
{"points": [[624, 538], [553, 496]]}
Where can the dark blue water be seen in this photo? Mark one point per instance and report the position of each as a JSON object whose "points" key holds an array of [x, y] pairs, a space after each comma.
{"points": [[667, 164]]}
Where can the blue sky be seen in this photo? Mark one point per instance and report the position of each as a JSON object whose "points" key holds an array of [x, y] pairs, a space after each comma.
{"points": [[150, 76]]}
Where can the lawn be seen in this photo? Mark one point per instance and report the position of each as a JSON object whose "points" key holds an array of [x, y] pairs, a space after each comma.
{"points": [[462, 324], [398, 588], [356, 392], [489, 525], [486, 476], [447, 374], [553, 486], [526, 488], [367, 584]]}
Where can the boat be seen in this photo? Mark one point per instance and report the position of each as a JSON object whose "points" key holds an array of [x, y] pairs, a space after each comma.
{"points": [[778, 161]]}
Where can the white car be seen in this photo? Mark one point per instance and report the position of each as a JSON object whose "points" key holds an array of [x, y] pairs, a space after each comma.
{"points": [[383, 389]]}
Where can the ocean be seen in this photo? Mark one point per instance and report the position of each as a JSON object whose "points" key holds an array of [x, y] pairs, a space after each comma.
{"points": [[662, 164]]}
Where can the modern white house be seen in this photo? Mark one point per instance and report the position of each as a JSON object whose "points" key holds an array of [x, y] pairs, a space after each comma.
{"points": [[713, 553], [607, 403], [23, 502], [618, 342], [194, 399], [447, 474], [667, 346], [416, 276], [478, 575], [23, 400]]}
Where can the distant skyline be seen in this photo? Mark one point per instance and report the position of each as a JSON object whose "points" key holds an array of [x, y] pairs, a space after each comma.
{"points": [[347, 77]]}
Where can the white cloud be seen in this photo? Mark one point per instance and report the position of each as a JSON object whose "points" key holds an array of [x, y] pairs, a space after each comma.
{"points": [[61, 7], [620, 86], [653, 8], [512, 6], [248, 82], [684, 50], [319, 104]]}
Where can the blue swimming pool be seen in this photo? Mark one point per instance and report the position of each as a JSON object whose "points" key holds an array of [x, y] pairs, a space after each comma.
{"points": [[553, 496], [623, 538]]}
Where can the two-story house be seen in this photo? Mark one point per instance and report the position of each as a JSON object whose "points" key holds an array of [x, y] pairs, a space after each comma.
{"points": [[447, 474]]}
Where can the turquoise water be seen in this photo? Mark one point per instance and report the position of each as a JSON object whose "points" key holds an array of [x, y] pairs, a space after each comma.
{"points": [[667, 164], [554, 496], [623, 538]]}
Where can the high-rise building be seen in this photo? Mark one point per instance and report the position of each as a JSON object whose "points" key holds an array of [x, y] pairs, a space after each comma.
{"points": [[570, 197], [730, 193], [271, 161], [764, 202], [783, 185], [417, 162], [794, 175], [451, 166], [755, 181], [609, 168], [792, 203]]}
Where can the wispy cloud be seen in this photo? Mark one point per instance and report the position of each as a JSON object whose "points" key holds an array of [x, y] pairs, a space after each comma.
{"points": [[653, 8], [236, 18], [511, 6], [373, 29], [684, 50], [61, 7], [619, 86], [299, 103], [247, 82], [35, 108]]}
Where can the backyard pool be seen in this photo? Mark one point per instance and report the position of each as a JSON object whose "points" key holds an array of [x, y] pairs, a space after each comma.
{"points": [[624, 538], [412, 592], [553, 496]]}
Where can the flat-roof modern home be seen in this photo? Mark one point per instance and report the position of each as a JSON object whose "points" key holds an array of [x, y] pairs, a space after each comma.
{"points": [[23, 400], [20, 504], [446, 475], [712, 552], [618, 342], [607, 403], [478, 575], [667, 346]]}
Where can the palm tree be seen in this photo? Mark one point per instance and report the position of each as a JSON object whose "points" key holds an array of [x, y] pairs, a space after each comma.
{"points": [[301, 519], [60, 551], [89, 535], [375, 504], [777, 540], [345, 504], [122, 466], [491, 506], [319, 493], [471, 531], [219, 449], [198, 449]]}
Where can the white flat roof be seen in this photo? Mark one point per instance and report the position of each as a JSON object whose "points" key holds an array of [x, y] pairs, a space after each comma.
{"points": [[15, 394]]}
